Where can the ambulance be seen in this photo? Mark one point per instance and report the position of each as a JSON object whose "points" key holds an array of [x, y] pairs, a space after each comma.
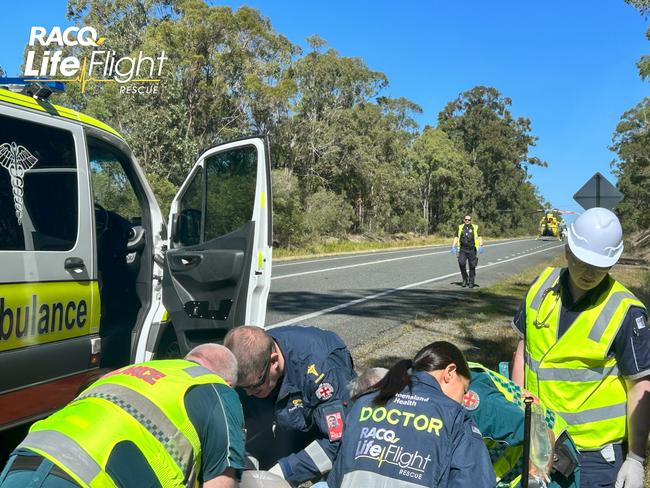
{"points": [[91, 275]]}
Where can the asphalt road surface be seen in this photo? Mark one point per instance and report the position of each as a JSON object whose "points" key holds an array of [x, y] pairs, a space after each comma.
{"points": [[359, 296]]}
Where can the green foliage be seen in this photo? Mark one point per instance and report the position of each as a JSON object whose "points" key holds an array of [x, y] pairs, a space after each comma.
{"points": [[497, 144], [346, 157], [112, 189], [164, 190], [642, 6], [288, 229], [631, 143], [445, 179], [327, 213]]}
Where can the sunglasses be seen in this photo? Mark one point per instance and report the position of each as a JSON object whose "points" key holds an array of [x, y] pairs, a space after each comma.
{"points": [[467, 220], [263, 377]]}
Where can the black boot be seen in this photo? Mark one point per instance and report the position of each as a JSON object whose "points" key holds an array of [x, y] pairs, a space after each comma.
{"points": [[464, 285], [471, 283]]}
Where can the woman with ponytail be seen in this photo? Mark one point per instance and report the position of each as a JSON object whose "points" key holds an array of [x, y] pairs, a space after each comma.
{"points": [[411, 430]]}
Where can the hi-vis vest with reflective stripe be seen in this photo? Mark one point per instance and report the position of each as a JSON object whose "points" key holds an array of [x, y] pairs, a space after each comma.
{"points": [[574, 375], [507, 462], [460, 231], [144, 404]]}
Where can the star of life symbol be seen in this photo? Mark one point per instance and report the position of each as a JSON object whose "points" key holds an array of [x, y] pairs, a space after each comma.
{"points": [[17, 160]]}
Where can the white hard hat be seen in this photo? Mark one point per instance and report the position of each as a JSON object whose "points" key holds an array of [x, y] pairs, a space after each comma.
{"points": [[596, 237]]}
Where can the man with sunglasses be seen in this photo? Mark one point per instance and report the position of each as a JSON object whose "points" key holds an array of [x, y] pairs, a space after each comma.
{"points": [[292, 384], [585, 352], [471, 244]]}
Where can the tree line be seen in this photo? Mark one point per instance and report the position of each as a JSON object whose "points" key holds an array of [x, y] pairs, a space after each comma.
{"points": [[631, 143], [346, 158]]}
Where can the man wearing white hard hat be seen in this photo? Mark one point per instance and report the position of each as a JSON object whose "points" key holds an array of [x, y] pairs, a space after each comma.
{"points": [[585, 352]]}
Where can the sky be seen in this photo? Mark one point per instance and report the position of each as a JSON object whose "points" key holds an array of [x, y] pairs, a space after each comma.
{"points": [[570, 67]]}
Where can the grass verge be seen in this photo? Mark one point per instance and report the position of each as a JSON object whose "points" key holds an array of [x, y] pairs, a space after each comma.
{"points": [[480, 325], [361, 244]]}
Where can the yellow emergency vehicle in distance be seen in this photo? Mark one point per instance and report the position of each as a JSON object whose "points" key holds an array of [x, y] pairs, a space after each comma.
{"points": [[87, 260], [550, 227]]}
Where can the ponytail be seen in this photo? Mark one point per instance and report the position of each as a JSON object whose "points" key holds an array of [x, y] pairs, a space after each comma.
{"points": [[395, 380], [433, 357]]}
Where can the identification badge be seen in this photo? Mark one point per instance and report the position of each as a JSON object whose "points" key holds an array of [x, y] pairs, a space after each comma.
{"points": [[334, 425], [608, 453], [640, 323]]}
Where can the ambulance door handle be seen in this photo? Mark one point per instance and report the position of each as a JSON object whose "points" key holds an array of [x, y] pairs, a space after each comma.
{"points": [[74, 264]]}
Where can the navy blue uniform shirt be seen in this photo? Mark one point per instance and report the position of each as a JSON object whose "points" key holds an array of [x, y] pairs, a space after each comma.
{"points": [[631, 346], [419, 438], [300, 424]]}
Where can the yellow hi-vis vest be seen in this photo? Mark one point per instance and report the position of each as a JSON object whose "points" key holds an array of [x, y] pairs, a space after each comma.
{"points": [[142, 403], [460, 231], [508, 463], [574, 375]]}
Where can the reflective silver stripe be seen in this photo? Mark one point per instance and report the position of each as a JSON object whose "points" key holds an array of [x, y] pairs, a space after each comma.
{"points": [[65, 450], [196, 371], [320, 458], [548, 283], [570, 374], [357, 479], [150, 417], [595, 414], [606, 314]]}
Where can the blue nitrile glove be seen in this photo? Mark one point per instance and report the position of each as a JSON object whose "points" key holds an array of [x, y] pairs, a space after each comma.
{"points": [[480, 249], [453, 250]]}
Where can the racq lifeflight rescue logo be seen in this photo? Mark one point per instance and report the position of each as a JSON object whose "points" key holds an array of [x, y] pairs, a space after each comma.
{"points": [[136, 74]]}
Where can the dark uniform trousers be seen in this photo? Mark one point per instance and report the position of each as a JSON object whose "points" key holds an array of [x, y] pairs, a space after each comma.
{"points": [[465, 256]]}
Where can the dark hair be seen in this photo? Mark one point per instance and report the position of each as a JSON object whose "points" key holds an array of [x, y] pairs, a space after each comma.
{"points": [[437, 355]]}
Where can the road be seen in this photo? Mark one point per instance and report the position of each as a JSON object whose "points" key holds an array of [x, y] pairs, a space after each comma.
{"points": [[361, 295]]}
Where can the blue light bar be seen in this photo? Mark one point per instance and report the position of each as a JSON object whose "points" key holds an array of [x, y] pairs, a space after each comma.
{"points": [[30, 86]]}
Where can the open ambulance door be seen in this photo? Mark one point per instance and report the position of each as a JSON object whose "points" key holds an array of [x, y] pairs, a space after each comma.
{"points": [[217, 272]]}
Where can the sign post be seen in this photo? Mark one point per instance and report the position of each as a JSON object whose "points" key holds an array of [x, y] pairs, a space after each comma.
{"points": [[598, 192]]}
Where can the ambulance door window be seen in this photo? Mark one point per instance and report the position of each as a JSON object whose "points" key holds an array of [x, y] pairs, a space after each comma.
{"points": [[191, 212], [232, 177], [112, 189], [38, 187]]}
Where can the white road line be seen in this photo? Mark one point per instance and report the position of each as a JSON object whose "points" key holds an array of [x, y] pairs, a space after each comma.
{"points": [[377, 253], [368, 253], [369, 263], [324, 311]]}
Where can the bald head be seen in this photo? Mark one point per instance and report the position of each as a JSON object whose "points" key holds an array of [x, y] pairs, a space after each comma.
{"points": [[366, 381], [217, 359], [252, 346]]}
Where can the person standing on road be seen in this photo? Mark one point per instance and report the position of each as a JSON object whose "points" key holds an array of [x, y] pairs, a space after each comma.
{"points": [[293, 387], [167, 423], [471, 245], [585, 352], [411, 430]]}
